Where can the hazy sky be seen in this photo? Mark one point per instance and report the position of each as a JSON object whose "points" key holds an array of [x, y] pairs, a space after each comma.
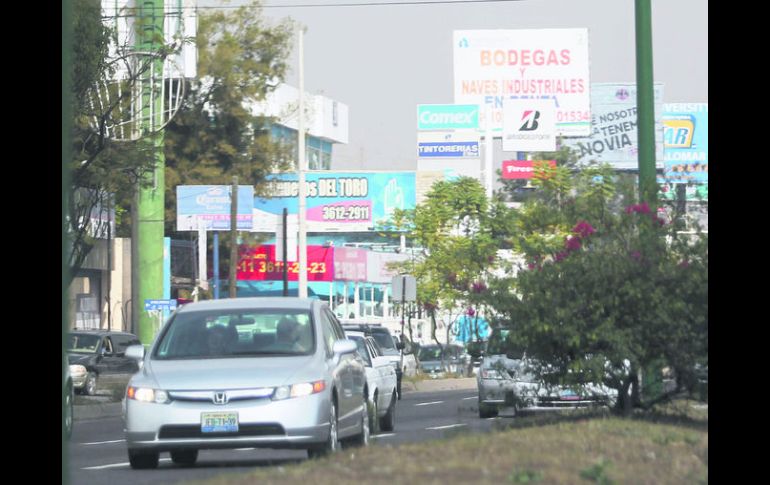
{"points": [[384, 60]]}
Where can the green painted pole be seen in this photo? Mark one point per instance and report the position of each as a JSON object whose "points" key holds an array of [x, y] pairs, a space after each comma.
{"points": [[651, 385], [150, 204], [645, 104]]}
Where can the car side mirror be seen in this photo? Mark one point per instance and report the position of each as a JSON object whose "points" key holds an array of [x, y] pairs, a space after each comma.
{"points": [[135, 352], [342, 347]]}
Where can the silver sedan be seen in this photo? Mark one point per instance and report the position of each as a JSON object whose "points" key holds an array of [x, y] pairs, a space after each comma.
{"points": [[510, 384], [245, 372]]}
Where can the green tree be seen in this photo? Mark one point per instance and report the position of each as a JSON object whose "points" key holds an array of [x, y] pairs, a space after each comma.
{"points": [[103, 171], [609, 287], [216, 135], [460, 231]]}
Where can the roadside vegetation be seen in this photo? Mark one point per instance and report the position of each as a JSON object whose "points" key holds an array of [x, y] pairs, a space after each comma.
{"points": [[666, 445]]}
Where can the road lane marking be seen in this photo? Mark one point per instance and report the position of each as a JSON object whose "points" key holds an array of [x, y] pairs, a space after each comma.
{"points": [[117, 465], [244, 449], [102, 442], [448, 426], [385, 435], [428, 403], [472, 397]]}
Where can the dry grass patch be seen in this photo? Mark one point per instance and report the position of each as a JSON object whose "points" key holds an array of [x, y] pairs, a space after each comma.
{"points": [[583, 450]]}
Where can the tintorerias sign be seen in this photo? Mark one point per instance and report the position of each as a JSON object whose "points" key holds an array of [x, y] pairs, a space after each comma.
{"points": [[336, 201]]}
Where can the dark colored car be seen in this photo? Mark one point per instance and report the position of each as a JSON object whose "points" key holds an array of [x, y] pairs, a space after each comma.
{"points": [[92, 353]]}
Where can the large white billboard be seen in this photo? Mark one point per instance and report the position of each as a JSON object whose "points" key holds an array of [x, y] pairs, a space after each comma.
{"points": [[491, 66]]}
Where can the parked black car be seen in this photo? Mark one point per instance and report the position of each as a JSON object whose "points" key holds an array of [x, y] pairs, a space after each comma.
{"points": [[92, 353]]}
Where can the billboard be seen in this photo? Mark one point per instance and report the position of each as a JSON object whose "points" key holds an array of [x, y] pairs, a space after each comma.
{"points": [[432, 117], [448, 145], [210, 205], [350, 264], [614, 137], [336, 201], [522, 169], [686, 142], [529, 125], [492, 66], [259, 263], [377, 270]]}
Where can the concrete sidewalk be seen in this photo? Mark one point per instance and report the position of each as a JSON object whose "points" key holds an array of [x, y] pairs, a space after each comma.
{"points": [[97, 409]]}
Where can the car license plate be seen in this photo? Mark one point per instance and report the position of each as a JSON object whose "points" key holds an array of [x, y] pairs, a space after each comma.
{"points": [[219, 422]]}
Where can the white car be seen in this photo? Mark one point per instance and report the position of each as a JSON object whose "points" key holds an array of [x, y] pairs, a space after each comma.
{"points": [[380, 380], [398, 351]]}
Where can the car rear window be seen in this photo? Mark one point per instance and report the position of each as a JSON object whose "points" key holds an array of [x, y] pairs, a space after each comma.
{"points": [[384, 340]]}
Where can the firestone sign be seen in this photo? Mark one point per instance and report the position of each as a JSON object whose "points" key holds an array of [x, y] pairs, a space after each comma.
{"points": [[522, 169]]}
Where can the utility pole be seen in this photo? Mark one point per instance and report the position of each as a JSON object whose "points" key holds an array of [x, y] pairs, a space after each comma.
{"points": [[233, 236], [302, 243], [645, 104], [147, 247], [649, 379]]}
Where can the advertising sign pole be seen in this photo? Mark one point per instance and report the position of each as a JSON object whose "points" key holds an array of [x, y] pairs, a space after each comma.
{"points": [[302, 281], [216, 265], [285, 259], [488, 152]]}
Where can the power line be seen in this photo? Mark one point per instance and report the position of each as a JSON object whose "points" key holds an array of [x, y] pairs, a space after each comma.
{"points": [[326, 5]]}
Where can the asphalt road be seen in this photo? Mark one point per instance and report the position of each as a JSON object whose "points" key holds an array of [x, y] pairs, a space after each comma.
{"points": [[98, 450]]}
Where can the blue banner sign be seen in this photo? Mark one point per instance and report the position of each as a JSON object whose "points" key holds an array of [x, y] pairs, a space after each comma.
{"points": [[150, 305], [452, 149]]}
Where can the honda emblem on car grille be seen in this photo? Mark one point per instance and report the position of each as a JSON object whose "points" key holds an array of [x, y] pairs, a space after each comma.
{"points": [[220, 398]]}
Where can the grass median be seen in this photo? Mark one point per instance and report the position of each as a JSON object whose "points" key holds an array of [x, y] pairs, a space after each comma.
{"points": [[669, 445]]}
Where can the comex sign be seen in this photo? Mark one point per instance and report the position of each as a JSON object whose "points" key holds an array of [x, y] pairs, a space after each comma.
{"points": [[447, 117]]}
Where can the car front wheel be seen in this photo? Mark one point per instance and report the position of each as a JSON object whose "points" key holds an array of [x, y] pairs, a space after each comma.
{"points": [[143, 459], [487, 411], [90, 386], [184, 457], [363, 438], [332, 443], [388, 422], [68, 412]]}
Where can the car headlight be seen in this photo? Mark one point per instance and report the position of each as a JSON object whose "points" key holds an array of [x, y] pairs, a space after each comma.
{"points": [[491, 374], [77, 370], [146, 394], [298, 390]]}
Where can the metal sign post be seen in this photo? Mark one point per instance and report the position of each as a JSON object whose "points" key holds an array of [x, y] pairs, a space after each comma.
{"points": [[404, 288]]}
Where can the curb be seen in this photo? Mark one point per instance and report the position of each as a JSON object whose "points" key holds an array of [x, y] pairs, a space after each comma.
{"points": [[96, 411]]}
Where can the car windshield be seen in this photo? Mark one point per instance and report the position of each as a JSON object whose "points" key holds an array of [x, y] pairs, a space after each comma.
{"points": [[85, 343], [499, 344], [384, 340], [430, 353], [237, 333]]}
